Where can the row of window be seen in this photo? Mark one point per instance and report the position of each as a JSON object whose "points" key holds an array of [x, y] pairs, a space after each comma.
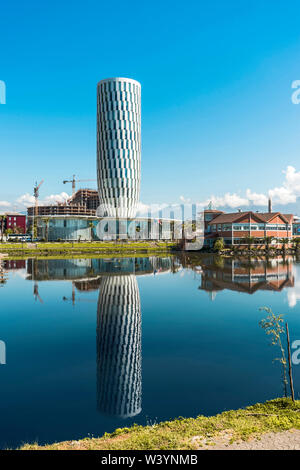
{"points": [[110, 194], [118, 105], [119, 94], [120, 134], [119, 115], [110, 86], [116, 124], [248, 227], [117, 173], [119, 183], [106, 145], [115, 154]]}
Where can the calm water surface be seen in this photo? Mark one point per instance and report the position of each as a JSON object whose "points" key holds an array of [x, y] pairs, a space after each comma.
{"points": [[96, 344]]}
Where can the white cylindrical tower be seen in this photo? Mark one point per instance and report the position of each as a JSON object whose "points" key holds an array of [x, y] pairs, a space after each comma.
{"points": [[118, 146]]}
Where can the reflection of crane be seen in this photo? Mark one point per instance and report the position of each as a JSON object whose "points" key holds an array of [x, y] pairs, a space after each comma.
{"points": [[35, 286], [78, 300], [36, 292], [73, 181]]}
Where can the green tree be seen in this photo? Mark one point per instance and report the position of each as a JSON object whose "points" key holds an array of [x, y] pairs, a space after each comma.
{"points": [[91, 225], [273, 326], [2, 220], [46, 221], [219, 245]]}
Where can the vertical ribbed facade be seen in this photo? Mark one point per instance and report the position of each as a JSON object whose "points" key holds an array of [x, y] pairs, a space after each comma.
{"points": [[118, 146], [119, 350]]}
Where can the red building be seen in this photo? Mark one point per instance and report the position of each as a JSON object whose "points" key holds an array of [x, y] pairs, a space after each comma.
{"points": [[238, 227], [15, 221]]}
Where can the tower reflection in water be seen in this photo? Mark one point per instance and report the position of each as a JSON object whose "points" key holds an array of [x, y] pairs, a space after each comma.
{"points": [[118, 330], [119, 345], [119, 348], [119, 335]]}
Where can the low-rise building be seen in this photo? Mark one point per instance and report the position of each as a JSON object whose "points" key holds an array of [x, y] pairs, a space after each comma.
{"points": [[242, 228], [14, 221]]}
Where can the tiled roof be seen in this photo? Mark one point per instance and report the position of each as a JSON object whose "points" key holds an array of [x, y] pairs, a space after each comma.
{"points": [[228, 218], [259, 216]]}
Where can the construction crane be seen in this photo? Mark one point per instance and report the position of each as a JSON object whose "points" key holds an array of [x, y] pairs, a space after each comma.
{"points": [[73, 181], [36, 196]]}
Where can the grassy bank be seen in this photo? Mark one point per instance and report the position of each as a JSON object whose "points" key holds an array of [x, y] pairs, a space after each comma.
{"points": [[275, 415], [83, 248]]}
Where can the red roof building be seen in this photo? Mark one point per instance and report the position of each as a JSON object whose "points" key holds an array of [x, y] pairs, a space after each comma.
{"points": [[236, 228]]}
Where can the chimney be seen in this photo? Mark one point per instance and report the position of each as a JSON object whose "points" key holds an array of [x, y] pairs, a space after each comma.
{"points": [[270, 204]]}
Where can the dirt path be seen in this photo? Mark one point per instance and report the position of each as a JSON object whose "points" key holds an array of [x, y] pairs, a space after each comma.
{"points": [[285, 440]]}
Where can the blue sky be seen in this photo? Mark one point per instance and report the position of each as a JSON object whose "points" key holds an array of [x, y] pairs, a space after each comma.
{"points": [[217, 115]]}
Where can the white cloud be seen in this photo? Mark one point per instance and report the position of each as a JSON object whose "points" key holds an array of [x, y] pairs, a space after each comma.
{"points": [[5, 204], [287, 193], [256, 199], [231, 200], [55, 198], [184, 200], [27, 200], [293, 293]]}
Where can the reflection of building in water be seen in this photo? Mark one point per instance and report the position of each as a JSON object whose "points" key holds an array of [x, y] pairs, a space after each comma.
{"points": [[244, 276], [14, 264], [86, 269], [119, 376], [119, 355], [3, 274]]}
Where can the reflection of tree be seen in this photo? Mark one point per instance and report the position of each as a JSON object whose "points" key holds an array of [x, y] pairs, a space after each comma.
{"points": [[119, 380], [3, 275]]}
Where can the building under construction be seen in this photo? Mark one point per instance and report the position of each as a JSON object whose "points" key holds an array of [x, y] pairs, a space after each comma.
{"points": [[83, 203]]}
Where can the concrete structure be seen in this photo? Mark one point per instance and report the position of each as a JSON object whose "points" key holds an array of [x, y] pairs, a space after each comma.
{"points": [[85, 197], [118, 146], [83, 202]]}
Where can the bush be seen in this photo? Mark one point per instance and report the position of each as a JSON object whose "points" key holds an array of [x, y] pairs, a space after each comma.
{"points": [[219, 244]]}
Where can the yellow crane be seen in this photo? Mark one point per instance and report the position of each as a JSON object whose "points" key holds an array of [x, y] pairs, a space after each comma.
{"points": [[74, 181]]}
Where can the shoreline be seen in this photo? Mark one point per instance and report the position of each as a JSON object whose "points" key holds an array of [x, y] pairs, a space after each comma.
{"points": [[275, 416], [66, 249], [14, 250]]}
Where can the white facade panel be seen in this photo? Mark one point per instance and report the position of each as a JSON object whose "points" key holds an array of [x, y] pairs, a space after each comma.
{"points": [[118, 146]]}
